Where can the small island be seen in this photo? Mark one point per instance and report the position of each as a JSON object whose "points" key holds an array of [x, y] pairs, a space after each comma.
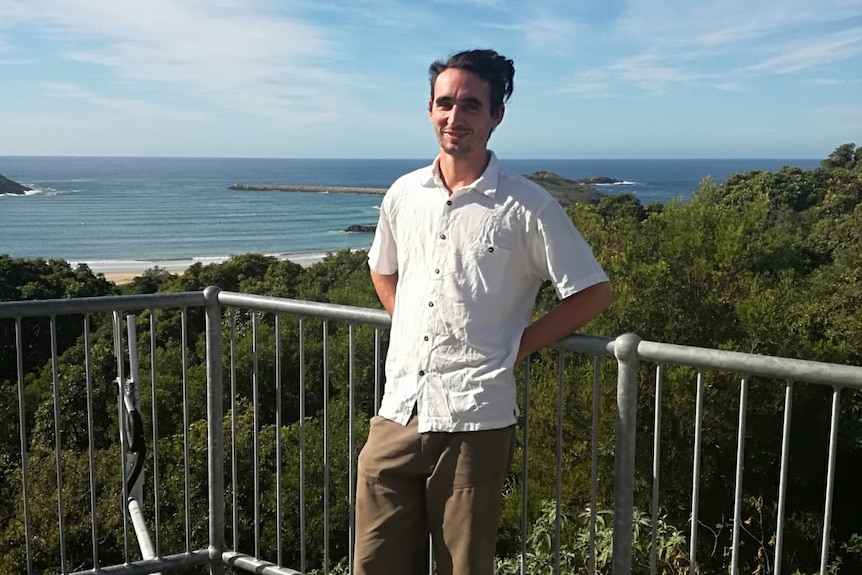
{"points": [[7, 186], [361, 228]]}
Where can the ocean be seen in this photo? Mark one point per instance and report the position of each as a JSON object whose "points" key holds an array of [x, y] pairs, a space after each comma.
{"points": [[127, 214]]}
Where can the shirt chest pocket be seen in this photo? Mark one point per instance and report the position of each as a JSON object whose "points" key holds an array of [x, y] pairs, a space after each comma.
{"points": [[481, 272]]}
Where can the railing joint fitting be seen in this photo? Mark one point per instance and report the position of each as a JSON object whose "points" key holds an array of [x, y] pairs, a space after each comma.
{"points": [[626, 347]]}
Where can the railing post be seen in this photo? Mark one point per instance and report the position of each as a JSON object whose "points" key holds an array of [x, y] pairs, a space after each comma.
{"points": [[215, 430], [626, 352]]}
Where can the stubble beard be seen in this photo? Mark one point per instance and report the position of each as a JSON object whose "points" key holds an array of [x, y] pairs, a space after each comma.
{"points": [[455, 150]]}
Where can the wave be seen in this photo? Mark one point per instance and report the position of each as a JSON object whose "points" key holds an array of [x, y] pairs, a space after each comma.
{"points": [[37, 192], [27, 193], [623, 183], [64, 180]]}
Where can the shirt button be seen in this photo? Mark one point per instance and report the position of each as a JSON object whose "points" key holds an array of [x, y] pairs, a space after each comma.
{"points": [[442, 236], [421, 372], [491, 249], [430, 304], [437, 271], [448, 202], [425, 338]]}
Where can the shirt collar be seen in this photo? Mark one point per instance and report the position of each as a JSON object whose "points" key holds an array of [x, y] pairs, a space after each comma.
{"points": [[486, 184]]}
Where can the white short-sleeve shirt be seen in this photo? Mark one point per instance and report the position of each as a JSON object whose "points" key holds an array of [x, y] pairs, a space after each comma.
{"points": [[469, 267]]}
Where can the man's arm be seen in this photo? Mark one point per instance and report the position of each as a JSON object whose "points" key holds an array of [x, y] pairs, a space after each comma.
{"points": [[567, 317], [385, 286]]}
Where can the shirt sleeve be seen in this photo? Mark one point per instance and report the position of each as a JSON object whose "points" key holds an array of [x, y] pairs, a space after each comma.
{"points": [[560, 254], [383, 254]]}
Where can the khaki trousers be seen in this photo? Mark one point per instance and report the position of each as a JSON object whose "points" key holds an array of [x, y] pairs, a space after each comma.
{"points": [[447, 484]]}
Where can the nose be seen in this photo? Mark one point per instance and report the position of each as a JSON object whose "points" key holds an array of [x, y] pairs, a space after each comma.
{"points": [[455, 115]]}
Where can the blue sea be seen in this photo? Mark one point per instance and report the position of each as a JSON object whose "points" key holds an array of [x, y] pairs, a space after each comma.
{"points": [[127, 214]]}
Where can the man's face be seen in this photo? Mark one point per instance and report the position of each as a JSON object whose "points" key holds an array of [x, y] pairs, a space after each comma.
{"points": [[460, 111]]}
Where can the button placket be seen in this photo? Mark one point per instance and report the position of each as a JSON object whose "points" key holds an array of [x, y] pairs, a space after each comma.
{"points": [[442, 236]]}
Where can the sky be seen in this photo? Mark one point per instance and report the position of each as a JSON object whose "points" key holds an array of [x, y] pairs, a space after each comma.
{"points": [[349, 78]]}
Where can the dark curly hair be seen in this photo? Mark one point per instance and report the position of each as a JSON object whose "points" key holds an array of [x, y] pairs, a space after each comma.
{"points": [[492, 67]]}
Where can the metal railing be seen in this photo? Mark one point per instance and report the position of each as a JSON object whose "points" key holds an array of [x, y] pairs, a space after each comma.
{"points": [[253, 454]]}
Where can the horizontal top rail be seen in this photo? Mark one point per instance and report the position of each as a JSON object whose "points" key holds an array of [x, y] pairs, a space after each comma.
{"points": [[81, 305], [658, 352], [591, 344], [317, 310], [751, 364]]}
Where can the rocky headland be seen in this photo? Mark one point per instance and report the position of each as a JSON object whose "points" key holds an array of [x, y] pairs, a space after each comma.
{"points": [[568, 191], [7, 186]]}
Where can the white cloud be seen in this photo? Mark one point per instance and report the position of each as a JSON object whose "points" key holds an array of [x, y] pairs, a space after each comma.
{"points": [[222, 53], [646, 72], [480, 3], [836, 47], [546, 31], [725, 23], [731, 86], [593, 84], [721, 43], [129, 106]]}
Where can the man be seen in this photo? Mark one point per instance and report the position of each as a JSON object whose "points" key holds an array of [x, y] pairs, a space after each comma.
{"points": [[460, 251]]}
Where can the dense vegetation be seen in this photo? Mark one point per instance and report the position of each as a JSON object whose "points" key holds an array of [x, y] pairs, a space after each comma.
{"points": [[764, 262]]}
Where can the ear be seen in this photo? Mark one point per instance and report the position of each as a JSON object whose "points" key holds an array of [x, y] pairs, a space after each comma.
{"points": [[498, 115]]}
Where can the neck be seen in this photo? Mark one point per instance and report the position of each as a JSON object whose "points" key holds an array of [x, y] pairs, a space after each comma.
{"points": [[458, 172]]}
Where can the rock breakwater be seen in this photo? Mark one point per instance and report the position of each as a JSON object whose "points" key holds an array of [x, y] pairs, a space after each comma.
{"points": [[306, 189]]}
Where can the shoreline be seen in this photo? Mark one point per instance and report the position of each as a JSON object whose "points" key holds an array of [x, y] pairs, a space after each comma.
{"points": [[124, 271]]}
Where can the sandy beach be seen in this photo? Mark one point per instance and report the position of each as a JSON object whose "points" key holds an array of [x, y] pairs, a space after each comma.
{"points": [[124, 271], [120, 278]]}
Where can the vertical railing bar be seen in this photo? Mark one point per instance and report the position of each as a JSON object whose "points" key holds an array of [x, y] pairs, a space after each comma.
{"points": [[524, 461], [625, 441], [255, 383], [351, 471], [376, 369], [233, 431], [695, 479], [58, 444], [430, 555], [302, 558], [782, 480], [278, 478], [117, 324], [186, 423], [22, 430], [830, 478], [91, 439], [594, 466], [157, 516], [740, 466], [558, 487], [215, 430], [325, 447], [656, 467]]}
